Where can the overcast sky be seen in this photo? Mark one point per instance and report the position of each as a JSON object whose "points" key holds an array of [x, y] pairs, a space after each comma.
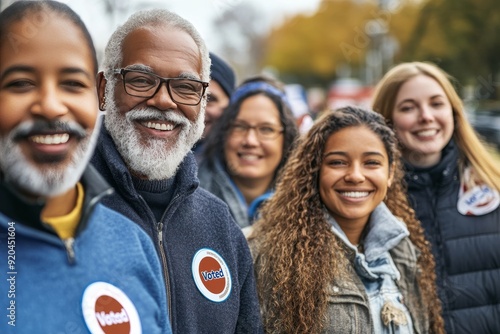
{"points": [[199, 12]]}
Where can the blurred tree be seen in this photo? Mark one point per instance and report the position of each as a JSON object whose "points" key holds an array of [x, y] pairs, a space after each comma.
{"points": [[461, 36], [313, 49], [242, 34], [117, 11], [114, 10]]}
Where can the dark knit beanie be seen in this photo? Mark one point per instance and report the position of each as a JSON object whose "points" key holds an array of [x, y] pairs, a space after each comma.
{"points": [[223, 74]]}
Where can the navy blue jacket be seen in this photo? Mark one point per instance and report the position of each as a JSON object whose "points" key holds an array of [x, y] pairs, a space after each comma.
{"points": [[466, 248], [195, 222]]}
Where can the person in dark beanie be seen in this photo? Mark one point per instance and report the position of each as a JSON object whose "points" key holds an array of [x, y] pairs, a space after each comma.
{"points": [[222, 85]]}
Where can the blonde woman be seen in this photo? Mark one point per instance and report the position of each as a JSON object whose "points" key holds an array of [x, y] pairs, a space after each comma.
{"points": [[453, 185]]}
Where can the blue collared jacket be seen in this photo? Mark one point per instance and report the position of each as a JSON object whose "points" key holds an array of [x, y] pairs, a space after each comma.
{"points": [[45, 281]]}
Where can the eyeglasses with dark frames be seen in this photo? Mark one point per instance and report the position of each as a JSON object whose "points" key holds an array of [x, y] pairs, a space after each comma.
{"points": [[144, 84], [263, 131]]}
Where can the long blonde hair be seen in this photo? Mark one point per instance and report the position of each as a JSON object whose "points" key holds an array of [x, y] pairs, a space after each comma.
{"points": [[299, 255], [473, 152]]}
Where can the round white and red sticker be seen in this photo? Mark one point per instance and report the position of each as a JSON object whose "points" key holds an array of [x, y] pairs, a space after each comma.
{"points": [[477, 201], [108, 310], [211, 275]]}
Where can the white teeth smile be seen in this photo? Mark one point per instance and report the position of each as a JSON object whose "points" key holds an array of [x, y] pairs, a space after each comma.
{"points": [[427, 133], [50, 139], [355, 194], [249, 157], [158, 126]]}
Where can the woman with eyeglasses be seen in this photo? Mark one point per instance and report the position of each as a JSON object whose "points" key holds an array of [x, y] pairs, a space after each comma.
{"points": [[248, 146]]}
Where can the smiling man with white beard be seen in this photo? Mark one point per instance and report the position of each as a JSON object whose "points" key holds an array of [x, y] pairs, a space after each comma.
{"points": [[58, 241], [159, 158], [153, 85]]}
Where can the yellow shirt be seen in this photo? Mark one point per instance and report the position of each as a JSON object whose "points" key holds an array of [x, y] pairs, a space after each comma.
{"points": [[65, 226]]}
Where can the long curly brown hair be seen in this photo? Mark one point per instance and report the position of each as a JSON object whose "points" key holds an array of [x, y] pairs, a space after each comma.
{"points": [[299, 255]]}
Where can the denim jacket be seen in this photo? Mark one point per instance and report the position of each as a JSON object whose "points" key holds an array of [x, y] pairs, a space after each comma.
{"points": [[349, 309], [388, 273]]}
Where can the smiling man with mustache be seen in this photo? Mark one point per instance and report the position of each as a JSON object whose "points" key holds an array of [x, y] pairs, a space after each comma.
{"points": [[71, 264], [153, 89], [52, 142]]}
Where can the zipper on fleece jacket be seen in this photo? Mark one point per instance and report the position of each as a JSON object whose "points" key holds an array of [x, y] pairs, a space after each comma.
{"points": [[86, 212], [68, 243], [164, 257], [70, 251], [159, 227]]}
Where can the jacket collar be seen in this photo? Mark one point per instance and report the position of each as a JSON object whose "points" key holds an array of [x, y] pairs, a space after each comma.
{"points": [[251, 210], [28, 211], [446, 168], [108, 161], [385, 232]]}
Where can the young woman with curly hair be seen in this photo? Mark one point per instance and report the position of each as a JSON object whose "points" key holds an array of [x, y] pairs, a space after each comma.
{"points": [[338, 248], [453, 184]]}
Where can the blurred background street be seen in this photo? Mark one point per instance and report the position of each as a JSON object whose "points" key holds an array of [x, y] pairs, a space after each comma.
{"points": [[337, 50]]}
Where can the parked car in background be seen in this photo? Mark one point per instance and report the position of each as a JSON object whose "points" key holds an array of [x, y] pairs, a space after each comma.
{"points": [[487, 124]]}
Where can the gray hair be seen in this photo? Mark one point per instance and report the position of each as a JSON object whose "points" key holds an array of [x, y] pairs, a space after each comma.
{"points": [[154, 17]]}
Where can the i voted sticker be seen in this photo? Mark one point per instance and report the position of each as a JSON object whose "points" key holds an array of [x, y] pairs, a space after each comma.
{"points": [[108, 310], [211, 275], [478, 200]]}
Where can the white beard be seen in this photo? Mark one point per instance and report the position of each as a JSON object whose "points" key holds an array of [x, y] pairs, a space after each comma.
{"points": [[45, 181], [159, 158]]}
